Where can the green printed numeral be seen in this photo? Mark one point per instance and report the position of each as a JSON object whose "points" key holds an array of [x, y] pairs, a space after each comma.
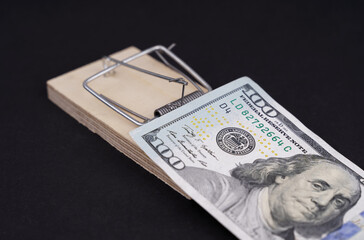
{"points": [[245, 112], [255, 121], [270, 134], [262, 128], [275, 138]]}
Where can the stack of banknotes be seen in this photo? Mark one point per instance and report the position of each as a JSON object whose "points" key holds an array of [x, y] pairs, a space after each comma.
{"points": [[256, 168]]}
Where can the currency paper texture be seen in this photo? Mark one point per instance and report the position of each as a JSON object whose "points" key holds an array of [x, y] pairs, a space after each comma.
{"points": [[254, 167]]}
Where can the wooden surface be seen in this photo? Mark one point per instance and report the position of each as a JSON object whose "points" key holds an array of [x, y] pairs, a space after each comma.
{"points": [[140, 92]]}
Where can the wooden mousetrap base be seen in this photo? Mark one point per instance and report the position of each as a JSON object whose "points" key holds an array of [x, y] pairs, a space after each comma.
{"points": [[137, 91]]}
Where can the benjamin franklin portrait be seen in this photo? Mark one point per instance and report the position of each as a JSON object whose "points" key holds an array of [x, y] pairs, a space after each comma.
{"points": [[281, 198]]}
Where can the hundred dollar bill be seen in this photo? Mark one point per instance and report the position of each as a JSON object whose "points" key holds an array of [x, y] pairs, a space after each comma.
{"points": [[256, 168]]}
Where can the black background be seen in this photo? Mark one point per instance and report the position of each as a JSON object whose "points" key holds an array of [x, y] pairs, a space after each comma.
{"points": [[60, 181]]}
